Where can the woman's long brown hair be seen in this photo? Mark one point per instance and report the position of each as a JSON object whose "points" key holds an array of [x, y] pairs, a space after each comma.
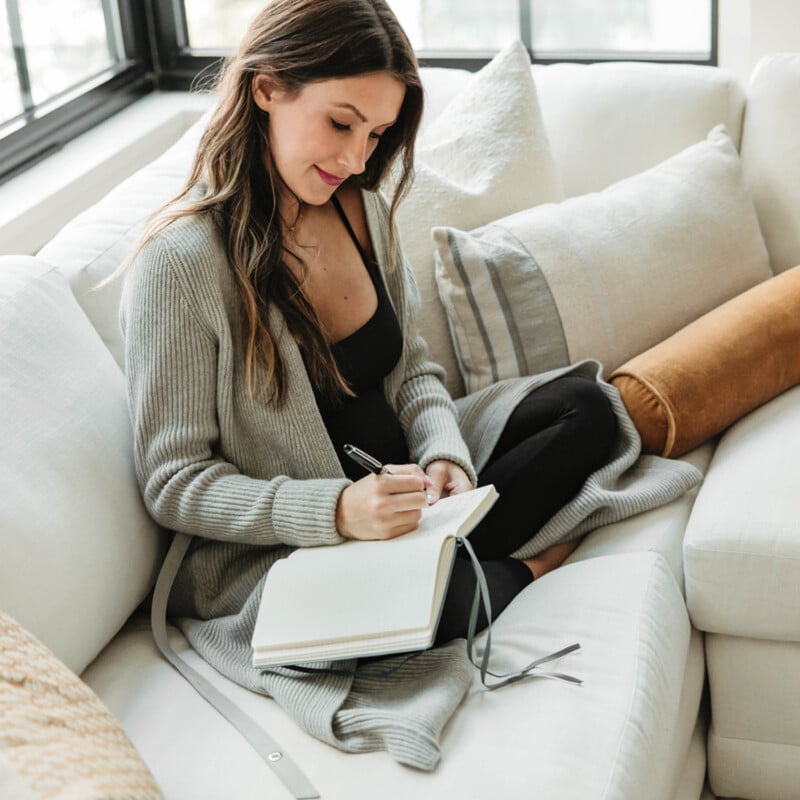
{"points": [[293, 43]]}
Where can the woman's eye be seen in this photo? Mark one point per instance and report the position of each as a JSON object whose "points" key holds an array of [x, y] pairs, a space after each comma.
{"points": [[340, 126], [376, 136]]}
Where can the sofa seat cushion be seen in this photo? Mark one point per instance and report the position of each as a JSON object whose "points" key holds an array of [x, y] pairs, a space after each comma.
{"points": [[78, 549], [742, 549], [623, 734], [659, 530]]}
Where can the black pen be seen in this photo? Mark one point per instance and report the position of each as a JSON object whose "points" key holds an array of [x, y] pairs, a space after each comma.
{"points": [[365, 460]]}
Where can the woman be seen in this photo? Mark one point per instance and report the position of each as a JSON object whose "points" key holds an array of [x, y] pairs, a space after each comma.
{"points": [[269, 320]]}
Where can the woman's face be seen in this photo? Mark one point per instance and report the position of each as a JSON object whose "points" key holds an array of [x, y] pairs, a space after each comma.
{"points": [[327, 131]]}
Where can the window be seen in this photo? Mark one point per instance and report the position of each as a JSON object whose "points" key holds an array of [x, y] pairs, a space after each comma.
{"points": [[218, 26], [651, 29], [64, 66], [575, 30], [67, 64], [450, 26], [472, 30]]}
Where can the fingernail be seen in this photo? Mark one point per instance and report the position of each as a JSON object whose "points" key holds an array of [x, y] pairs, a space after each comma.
{"points": [[429, 498]]}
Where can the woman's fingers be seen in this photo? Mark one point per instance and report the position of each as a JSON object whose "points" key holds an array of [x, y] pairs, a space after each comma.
{"points": [[383, 506], [447, 478], [408, 470]]}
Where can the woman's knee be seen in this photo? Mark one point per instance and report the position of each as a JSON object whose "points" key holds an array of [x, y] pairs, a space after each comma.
{"points": [[591, 413], [574, 410]]}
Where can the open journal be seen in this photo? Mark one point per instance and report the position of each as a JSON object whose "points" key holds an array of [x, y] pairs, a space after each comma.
{"points": [[365, 598]]}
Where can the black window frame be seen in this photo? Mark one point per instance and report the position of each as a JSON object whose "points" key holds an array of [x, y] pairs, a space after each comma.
{"points": [[43, 135]]}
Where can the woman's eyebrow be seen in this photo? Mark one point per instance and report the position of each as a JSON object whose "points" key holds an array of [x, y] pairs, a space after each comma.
{"points": [[353, 109], [358, 113]]}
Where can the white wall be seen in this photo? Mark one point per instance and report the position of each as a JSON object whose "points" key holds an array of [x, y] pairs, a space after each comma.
{"points": [[751, 29]]}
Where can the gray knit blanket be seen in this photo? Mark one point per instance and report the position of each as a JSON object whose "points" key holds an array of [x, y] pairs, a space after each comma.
{"points": [[405, 711]]}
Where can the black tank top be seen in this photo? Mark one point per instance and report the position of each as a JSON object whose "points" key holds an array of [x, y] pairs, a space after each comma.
{"points": [[365, 358]]}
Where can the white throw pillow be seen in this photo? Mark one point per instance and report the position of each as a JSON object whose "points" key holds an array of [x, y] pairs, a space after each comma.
{"points": [[606, 275], [486, 156], [79, 551]]}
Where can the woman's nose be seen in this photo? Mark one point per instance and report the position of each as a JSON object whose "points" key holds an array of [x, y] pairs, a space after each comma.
{"points": [[355, 154]]}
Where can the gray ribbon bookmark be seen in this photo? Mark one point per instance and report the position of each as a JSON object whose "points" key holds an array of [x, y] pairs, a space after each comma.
{"points": [[482, 593]]}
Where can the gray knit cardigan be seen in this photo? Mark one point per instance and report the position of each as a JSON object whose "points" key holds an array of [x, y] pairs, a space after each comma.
{"points": [[252, 481]]}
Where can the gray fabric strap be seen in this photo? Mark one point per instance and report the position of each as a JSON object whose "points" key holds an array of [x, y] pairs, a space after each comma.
{"points": [[283, 766], [482, 593]]}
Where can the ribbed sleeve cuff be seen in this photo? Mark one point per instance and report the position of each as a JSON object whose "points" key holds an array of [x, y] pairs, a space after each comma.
{"points": [[304, 512]]}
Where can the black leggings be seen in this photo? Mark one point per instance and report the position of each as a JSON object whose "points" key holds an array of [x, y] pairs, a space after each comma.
{"points": [[555, 438]]}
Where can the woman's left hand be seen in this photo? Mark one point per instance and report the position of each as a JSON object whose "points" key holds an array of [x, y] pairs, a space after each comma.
{"points": [[448, 478]]}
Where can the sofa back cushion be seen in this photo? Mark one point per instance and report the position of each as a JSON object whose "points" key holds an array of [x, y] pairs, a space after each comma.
{"points": [[610, 121], [79, 551], [771, 154], [94, 244]]}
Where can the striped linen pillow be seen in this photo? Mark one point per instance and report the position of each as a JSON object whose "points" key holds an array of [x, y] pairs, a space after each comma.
{"points": [[605, 275]]}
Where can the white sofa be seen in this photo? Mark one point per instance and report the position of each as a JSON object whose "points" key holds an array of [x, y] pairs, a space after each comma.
{"points": [[79, 554]]}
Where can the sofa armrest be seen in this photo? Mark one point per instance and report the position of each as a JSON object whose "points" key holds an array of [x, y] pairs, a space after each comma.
{"points": [[78, 551], [742, 544]]}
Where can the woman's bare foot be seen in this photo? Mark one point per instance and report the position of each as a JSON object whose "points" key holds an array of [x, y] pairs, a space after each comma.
{"points": [[550, 559]]}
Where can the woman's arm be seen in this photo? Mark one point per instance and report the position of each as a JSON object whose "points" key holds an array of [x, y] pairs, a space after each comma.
{"points": [[172, 364]]}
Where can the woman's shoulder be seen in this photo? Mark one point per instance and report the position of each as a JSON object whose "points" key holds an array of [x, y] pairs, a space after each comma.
{"points": [[188, 251], [190, 242], [186, 256]]}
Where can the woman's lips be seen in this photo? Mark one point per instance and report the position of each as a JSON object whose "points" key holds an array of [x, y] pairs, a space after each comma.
{"points": [[326, 177]]}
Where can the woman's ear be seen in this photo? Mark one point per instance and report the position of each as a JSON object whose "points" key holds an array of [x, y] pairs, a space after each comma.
{"points": [[262, 92]]}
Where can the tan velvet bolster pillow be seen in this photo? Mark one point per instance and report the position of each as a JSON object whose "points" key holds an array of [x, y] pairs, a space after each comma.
{"points": [[695, 384]]}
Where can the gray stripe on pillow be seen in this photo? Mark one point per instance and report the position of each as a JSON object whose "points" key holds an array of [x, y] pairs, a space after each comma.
{"points": [[513, 331], [476, 314], [532, 315]]}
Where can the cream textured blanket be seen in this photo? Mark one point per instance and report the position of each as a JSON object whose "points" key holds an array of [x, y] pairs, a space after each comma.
{"points": [[57, 740]]}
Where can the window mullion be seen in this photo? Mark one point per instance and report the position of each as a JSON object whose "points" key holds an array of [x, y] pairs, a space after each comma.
{"points": [[525, 26], [181, 24], [113, 36], [20, 57]]}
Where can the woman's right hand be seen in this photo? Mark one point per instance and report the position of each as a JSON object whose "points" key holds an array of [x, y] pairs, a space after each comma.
{"points": [[383, 506]]}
